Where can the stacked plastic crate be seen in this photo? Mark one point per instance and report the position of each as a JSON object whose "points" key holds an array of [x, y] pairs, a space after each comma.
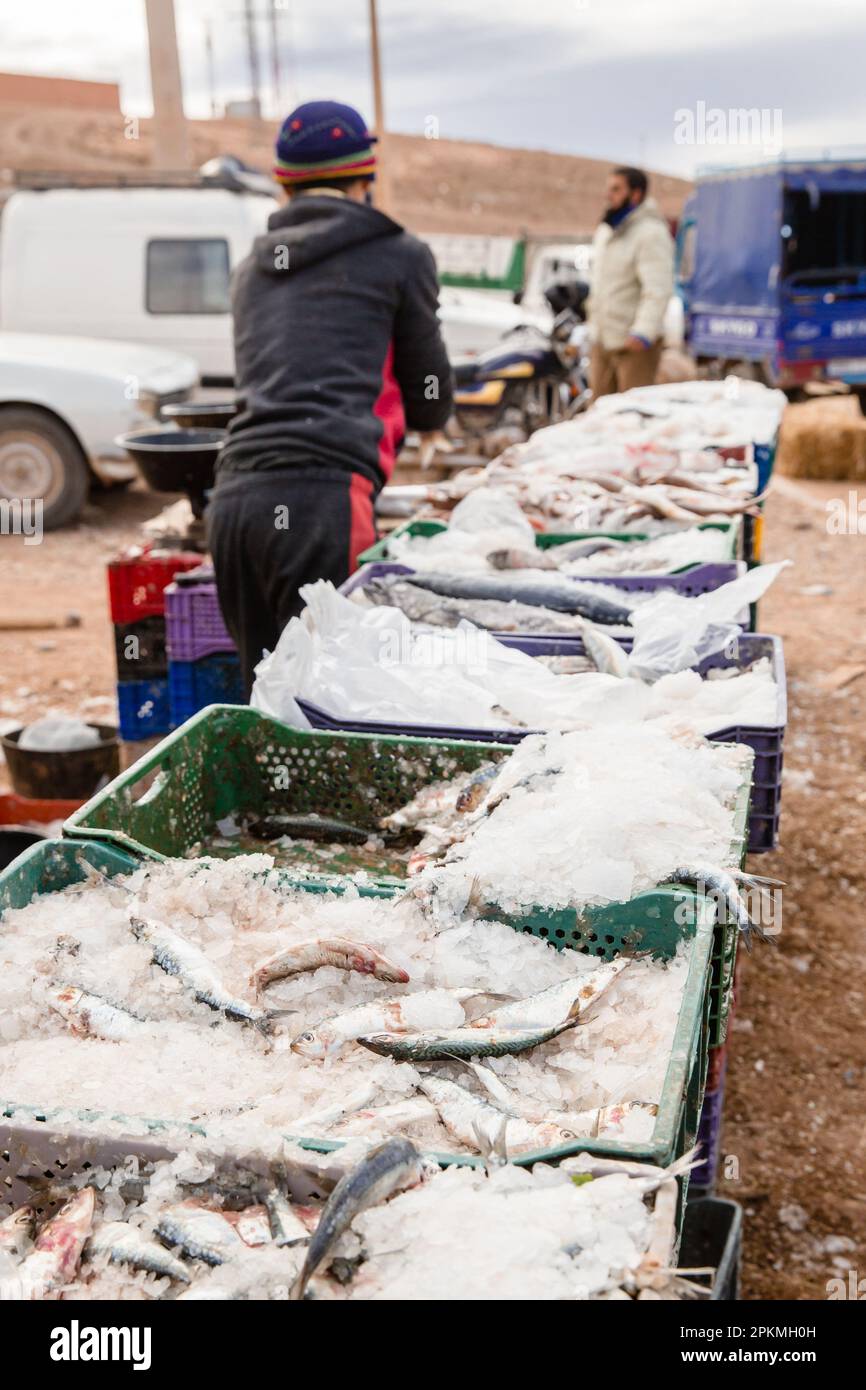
{"points": [[137, 581], [203, 667]]}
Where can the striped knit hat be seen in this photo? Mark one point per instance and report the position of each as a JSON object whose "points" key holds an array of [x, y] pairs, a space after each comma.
{"points": [[323, 140]]}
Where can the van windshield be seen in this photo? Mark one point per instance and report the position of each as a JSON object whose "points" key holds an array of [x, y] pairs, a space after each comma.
{"points": [[825, 242]]}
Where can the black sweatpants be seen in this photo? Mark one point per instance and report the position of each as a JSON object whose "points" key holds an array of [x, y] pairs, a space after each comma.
{"points": [[270, 532]]}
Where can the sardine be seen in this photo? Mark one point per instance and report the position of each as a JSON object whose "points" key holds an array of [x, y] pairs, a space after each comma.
{"points": [[201, 1233], [54, 1259], [327, 1038], [91, 1016], [560, 595], [126, 1245], [176, 956], [465, 1042], [308, 827], [550, 1006], [721, 885], [441, 802], [335, 951], [329, 1115], [16, 1231], [389, 1168], [473, 1122]]}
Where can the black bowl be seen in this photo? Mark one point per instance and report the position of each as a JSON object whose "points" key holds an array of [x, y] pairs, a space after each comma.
{"points": [[72, 776], [205, 415], [173, 460], [14, 839]]}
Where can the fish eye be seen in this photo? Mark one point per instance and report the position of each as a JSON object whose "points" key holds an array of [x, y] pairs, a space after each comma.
{"points": [[308, 1037]]}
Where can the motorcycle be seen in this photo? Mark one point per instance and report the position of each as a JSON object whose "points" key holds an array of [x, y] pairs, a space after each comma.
{"points": [[531, 379]]}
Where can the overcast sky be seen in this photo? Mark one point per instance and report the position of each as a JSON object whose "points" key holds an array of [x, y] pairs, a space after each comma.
{"points": [[608, 78]]}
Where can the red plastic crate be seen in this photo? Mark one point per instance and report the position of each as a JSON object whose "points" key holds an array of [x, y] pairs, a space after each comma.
{"points": [[138, 579]]}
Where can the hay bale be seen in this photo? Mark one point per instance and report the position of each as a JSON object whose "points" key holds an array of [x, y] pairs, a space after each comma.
{"points": [[824, 438]]}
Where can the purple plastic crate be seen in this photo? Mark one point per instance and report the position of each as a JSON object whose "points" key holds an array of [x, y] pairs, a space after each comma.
{"points": [[700, 579], [710, 1137], [765, 742], [194, 625]]}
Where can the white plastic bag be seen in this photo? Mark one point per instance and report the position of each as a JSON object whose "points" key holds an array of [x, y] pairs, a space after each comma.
{"points": [[673, 632]]}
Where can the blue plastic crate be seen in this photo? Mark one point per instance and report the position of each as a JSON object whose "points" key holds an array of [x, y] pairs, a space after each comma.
{"points": [[213, 680], [144, 710]]}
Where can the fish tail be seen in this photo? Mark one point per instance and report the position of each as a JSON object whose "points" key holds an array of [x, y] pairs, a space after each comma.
{"points": [[265, 1025]]}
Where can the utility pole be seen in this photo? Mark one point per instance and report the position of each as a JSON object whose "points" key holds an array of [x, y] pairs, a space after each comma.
{"points": [[211, 83], [171, 148], [276, 76], [382, 191], [253, 54]]}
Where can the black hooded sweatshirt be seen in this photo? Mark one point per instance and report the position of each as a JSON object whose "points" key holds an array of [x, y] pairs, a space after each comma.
{"points": [[337, 343]]}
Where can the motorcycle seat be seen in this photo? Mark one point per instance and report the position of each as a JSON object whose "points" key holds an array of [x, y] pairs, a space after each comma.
{"points": [[465, 371]]}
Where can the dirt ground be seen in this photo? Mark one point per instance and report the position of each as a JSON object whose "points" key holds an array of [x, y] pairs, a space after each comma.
{"points": [[794, 1136]]}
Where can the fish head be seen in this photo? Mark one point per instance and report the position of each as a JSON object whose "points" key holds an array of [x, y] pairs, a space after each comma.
{"points": [[78, 1211], [315, 1044]]}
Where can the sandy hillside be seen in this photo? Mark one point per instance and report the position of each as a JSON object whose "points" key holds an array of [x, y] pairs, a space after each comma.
{"points": [[439, 185]]}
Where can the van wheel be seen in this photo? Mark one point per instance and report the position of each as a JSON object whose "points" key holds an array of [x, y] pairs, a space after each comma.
{"points": [[41, 460]]}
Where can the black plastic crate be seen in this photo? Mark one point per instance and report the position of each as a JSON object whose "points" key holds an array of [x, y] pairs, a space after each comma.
{"points": [[139, 649], [713, 1235]]}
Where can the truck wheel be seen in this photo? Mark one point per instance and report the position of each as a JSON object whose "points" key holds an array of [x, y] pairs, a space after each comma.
{"points": [[41, 459]]}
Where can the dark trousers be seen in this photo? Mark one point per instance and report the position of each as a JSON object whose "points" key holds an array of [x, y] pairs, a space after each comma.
{"points": [[269, 533]]}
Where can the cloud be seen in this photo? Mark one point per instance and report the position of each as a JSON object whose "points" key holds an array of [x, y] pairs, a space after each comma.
{"points": [[595, 77]]}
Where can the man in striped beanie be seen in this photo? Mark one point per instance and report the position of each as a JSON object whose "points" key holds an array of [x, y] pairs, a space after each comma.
{"points": [[337, 351]]}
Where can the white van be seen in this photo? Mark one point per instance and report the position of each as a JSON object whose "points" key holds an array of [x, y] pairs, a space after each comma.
{"points": [[151, 265], [144, 265]]}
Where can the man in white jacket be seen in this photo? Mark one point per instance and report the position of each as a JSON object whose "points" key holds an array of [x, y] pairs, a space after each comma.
{"points": [[632, 281]]}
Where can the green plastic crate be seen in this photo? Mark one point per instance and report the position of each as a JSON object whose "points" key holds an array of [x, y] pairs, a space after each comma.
{"points": [[666, 916], [379, 552], [221, 762], [230, 759]]}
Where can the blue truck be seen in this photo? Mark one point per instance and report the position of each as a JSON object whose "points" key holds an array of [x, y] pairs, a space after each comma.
{"points": [[772, 272]]}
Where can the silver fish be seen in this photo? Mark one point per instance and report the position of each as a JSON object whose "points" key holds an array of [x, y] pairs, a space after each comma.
{"points": [[607, 655], [176, 956], [561, 595], [389, 1168], [201, 1233], [465, 1042], [335, 951], [550, 1006], [329, 1036], [494, 615], [721, 885], [92, 1016], [473, 1122], [125, 1244]]}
